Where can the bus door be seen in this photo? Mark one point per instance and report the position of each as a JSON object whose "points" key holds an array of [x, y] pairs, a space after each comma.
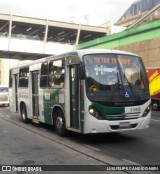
{"points": [[74, 97], [35, 93], [15, 88]]}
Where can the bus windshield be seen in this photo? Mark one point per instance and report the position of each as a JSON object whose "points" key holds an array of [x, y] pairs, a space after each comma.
{"points": [[116, 79]]}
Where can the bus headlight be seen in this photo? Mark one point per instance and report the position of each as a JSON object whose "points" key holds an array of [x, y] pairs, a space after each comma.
{"points": [[148, 109], [94, 112]]}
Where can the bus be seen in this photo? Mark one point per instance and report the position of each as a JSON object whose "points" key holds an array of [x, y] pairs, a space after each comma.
{"points": [[4, 95], [85, 91]]}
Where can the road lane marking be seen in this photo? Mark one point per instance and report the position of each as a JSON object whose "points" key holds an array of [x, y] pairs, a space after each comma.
{"points": [[93, 148], [154, 120], [131, 162], [5, 131]]}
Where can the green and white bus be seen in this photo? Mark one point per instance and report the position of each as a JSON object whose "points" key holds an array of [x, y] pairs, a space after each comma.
{"points": [[86, 91]]}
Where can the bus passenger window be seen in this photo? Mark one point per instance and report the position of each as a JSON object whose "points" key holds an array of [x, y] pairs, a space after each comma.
{"points": [[56, 74], [23, 77]]}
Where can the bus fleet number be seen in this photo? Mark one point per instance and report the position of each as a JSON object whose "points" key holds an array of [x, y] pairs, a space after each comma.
{"points": [[135, 109]]}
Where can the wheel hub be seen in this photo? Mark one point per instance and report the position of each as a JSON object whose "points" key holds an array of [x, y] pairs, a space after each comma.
{"points": [[59, 122]]}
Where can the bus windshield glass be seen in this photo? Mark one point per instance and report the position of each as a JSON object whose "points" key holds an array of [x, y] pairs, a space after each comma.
{"points": [[116, 79]]}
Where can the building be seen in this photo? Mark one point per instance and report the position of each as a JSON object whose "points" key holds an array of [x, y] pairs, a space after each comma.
{"points": [[138, 10]]}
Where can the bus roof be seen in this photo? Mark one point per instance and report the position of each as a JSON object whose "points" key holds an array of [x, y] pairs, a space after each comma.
{"points": [[112, 51], [79, 53], [92, 51]]}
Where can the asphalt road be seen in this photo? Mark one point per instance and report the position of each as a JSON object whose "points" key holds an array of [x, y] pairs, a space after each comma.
{"points": [[133, 147], [140, 147], [136, 147]]}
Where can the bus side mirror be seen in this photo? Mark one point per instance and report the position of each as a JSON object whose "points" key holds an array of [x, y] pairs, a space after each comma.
{"points": [[81, 71]]}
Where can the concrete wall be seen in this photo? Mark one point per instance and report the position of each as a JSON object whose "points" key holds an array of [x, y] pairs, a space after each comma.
{"points": [[143, 40], [149, 50]]}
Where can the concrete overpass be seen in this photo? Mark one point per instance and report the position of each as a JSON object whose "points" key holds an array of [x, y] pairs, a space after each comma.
{"points": [[17, 31]]}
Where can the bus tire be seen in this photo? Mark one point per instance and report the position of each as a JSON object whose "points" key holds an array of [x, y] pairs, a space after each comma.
{"points": [[155, 106], [60, 125], [24, 114]]}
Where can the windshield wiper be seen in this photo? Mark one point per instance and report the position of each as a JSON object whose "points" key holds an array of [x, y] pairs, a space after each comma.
{"points": [[132, 89], [130, 86], [119, 84]]}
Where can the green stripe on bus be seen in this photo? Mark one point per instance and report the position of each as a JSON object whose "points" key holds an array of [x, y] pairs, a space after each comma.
{"points": [[108, 111]]}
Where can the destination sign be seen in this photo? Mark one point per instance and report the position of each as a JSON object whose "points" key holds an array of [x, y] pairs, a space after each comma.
{"points": [[107, 60]]}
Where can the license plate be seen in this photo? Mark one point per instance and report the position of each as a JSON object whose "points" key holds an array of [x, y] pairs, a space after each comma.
{"points": [[124, 125]]}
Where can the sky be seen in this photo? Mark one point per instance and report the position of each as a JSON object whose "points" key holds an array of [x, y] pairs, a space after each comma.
{"points": [[91, 12]]}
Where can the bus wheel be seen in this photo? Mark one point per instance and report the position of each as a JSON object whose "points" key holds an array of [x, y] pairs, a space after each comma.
{"points": [[24, 114], [155, 106], [60, 125]]}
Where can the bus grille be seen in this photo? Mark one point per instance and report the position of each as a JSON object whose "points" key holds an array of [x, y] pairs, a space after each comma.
{"points": [[126, 116]]}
